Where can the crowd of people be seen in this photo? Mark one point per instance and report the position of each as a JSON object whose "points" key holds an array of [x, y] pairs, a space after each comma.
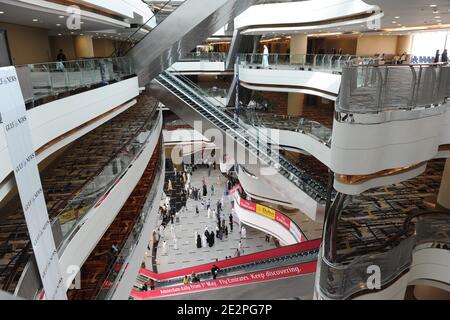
{"points": [[224, 222]]}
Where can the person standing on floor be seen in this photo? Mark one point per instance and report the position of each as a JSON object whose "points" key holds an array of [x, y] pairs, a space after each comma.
{"points": [[175, 243], [209, 213], [214, 271], [199, 241], [240, 246], [217, 231], [172, 230], [265, 59], [204, 241], [164, 247], [196, 210], [243, 233]]}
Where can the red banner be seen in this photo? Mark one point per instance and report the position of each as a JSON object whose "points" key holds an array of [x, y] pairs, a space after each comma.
{"points": [[242, 279], [247, 205], [281, 219]]}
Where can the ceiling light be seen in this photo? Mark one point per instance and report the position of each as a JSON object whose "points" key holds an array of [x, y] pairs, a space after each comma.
{"points": [[61, 17], [394, 21], [433, 5], [397, 17], [35, 20], [58, 24], [438, 20], [437, 17], [1, 12], [59, 34]]}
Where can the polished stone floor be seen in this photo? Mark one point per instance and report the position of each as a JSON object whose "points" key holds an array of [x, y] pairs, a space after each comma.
{"points": [[187, 254]]}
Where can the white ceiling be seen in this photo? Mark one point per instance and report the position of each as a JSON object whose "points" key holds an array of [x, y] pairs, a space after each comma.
{"points": [[411, 13], [53, 18]]}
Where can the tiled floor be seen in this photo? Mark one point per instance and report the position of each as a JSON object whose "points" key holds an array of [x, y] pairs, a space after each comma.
{"points": [[187, 254]]}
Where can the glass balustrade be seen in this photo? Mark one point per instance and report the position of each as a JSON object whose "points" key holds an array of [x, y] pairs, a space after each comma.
{"points": [[344, 280], [311, 62], [160, 12], [291, 123], [96, 189], [119, 265], [204, 56], [56, 79], [375, 89]]}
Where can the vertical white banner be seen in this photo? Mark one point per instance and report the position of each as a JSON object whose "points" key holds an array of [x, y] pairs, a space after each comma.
{"points": [[23, 160]]}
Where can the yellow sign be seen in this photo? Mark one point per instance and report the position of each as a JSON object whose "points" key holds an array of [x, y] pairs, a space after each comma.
{"points": [[264, 211]]}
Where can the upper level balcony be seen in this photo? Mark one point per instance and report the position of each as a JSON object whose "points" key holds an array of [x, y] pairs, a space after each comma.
{"points": [[66, 100], [396, 228], [84, 190], [314, 74], [392, 116]]}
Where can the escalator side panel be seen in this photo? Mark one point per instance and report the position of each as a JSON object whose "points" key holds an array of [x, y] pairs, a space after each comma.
{"points": [[193, 22]]}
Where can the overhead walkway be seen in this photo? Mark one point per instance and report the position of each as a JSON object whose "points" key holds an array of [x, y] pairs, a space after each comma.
{"points": [[248, 137], [244, 276]]}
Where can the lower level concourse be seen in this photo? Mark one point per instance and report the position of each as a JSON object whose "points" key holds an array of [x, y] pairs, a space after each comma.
{"points": [[177, 247]]}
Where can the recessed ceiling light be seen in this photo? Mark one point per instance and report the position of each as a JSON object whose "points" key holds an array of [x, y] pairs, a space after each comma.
{"points": [[2, 12], [81, 22], [437, 17], [397, 17], [438, 20], [35, 20], [61, 17], [81, 34], [433, 5], [59, 34], [58, 24], [394, 21]]}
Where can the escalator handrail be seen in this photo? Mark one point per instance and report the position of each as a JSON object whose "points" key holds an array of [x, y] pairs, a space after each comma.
{"points": [[190, 86], [128, 40], [245, 259]]}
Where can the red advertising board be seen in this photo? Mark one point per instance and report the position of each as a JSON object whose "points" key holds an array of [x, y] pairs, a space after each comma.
{"points": [[283, 220], [247, 204], [236, 280]]}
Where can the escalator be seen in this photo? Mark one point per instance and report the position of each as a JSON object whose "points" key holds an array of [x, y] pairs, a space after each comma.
{"points": [[248, 137], [280, 273], [181, 31]]}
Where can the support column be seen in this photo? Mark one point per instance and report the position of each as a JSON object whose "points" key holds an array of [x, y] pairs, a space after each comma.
{"points": [[443, 198], [295, 104], [298, 48], [84, 47], [404, 44]]}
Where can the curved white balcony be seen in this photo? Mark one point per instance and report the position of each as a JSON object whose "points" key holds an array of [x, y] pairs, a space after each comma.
{"points": [[389, 118], [67, 117], [309, 74], [264, 185], [267, 220], [292, 17]]}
